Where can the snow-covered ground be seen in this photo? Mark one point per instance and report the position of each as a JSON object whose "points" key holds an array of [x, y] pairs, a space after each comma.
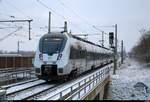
{"points": [[124, 84]]}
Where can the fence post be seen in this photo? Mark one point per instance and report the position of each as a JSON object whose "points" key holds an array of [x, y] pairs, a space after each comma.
{"points": [[61, 96], [93, 80], [13, 62], [85, 84], [21, 62], [79, 91], [6, 62], [2, 94]]}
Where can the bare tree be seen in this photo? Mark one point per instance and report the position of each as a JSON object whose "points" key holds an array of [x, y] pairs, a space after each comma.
{"points": [[142, 50]]}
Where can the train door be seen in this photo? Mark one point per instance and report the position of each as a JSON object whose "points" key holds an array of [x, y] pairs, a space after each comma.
{"points": [[86, 59], [94, 58], [82, 60]]}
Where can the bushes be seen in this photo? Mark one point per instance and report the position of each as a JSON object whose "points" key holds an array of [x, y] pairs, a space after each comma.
{"points": [[142, 50]]}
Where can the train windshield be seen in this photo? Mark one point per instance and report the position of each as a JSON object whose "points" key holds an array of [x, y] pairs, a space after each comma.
{"points": [[51, 45]]}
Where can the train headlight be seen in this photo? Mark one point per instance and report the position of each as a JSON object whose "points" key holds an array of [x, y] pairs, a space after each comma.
{"points": [[41, 56], [59, 56]]}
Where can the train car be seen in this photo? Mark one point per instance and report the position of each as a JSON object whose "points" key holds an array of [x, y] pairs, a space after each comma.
{"points": [[61, 55]]}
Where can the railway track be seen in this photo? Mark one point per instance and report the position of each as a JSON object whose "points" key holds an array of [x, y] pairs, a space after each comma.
{"points": [[32, 90], [36, 89], [20, 83], [8, 70], [22, 91], [48, 92]]}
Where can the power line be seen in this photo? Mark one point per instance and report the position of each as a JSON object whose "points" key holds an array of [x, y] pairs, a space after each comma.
{"points": [[11, 16], [17, 9], [86, 22], [100, 30], [8, 15], [107, 26], [5, 24], [51, 9], [10, 34], [29, 21], [20, 11], [6, 27], [72, 11], [59, 14]]}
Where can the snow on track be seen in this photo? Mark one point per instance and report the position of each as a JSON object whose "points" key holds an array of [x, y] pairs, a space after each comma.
{"points": [[23, 86], [19, 83], [29, 92]]}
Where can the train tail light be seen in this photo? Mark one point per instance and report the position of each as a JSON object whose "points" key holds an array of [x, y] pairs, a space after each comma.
{"points": [[59, 56], [41, 56]]}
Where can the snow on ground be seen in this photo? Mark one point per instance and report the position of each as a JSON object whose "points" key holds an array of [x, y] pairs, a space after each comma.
{"points": [[124, 83], [30, 92]]}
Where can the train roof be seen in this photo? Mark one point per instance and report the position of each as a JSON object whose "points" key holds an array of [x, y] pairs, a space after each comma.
{"points": [[78, 38], [74, 36], [53, 33]]}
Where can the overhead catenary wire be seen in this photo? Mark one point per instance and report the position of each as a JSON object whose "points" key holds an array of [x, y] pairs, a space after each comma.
{"points": [[11, 16], [76, 26], [86, 22], [21, 12], [74, 12], [58, 14], [100, 30], [8, 15], [83, 19], [17, 9], [3, 38], [7, 27]]}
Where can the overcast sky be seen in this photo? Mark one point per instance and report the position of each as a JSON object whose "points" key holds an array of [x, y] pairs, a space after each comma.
{"points": [[130, 15]]}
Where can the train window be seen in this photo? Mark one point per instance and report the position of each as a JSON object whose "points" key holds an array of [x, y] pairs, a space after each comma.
{"points": [[73, 53], [83, 54], [77, 53], [51, 45]]}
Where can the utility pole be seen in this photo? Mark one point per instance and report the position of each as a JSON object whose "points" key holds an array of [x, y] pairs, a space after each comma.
{"points": [[103, 38], [115, 51], [115, 47], [122, 52], [18, 44], [65, 27], [49, 23], [29, 29], [18, 47]]}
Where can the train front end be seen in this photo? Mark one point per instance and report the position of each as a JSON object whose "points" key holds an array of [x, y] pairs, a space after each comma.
{"points": [[50, 59]]}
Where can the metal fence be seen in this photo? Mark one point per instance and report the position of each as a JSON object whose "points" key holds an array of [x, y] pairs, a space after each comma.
{"points": [[81, 88], [16, 76]]}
